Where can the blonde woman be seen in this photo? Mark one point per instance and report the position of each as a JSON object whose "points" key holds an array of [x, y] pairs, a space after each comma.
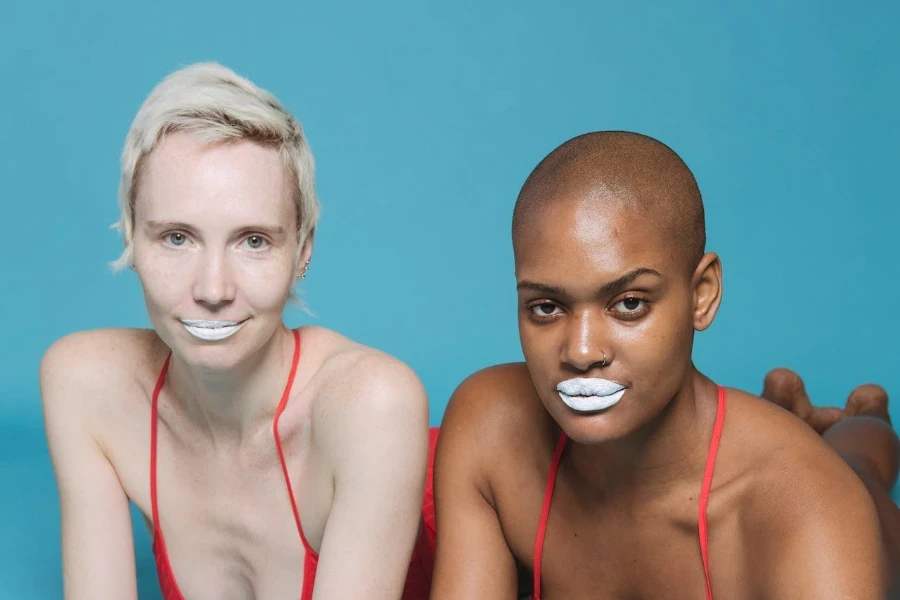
{"points": [[268, 462]]}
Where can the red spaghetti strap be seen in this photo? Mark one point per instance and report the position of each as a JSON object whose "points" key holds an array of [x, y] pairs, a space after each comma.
{"points": [[167, 584], [545, 514], [281, 406], [154, 404], [707, 483]]}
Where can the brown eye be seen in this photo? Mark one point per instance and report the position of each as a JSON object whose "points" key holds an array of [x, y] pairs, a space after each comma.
{"points": [[544, 309], [630, 305]]}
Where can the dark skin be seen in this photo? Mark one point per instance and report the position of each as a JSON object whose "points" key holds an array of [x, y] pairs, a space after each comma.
{"points": [[862, 435], [608, 290]]}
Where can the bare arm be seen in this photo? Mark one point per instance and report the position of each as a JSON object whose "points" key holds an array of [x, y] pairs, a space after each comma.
{"points": [[378, 444], [97, 546], [473, 558]]}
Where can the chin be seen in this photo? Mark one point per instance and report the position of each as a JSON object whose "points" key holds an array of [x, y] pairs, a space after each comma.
{"points": [[590, 428], [216, 356]]}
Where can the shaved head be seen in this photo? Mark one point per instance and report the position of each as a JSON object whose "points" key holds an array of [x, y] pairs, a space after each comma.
{"points": [[618, 170]]}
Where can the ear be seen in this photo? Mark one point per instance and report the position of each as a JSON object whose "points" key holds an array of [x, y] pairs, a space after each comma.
{"points": [[707, 284], [305, 254]]}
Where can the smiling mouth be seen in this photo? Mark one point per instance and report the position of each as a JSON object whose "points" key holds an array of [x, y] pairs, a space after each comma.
{"points": [[212, 331]]}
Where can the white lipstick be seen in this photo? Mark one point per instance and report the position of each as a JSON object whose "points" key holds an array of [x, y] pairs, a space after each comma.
{"points": [[590, 395], [211, 331]]}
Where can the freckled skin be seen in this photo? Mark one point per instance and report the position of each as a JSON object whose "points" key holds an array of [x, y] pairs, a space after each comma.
{"points": [[216, 239]]}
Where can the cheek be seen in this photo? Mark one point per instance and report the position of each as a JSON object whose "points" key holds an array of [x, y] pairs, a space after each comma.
{"points": [[540, 350], [161, 283], [530, 339], [266, 283], [657, 344]]}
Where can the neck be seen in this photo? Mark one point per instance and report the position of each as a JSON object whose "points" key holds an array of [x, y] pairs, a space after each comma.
{"points": [[651, 462], [230, 405]]}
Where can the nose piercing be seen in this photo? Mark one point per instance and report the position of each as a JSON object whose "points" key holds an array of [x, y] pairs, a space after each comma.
{"points": [[604, 362]]}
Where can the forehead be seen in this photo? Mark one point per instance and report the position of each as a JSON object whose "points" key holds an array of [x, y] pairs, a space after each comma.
{"points": [[587, 239], [187, 179]]}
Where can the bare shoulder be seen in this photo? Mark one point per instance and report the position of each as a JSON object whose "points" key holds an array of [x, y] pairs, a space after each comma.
{"points": [[497, 400], [778, 446], [793, 479], [357, 383], [495, 414], [85, 369]]}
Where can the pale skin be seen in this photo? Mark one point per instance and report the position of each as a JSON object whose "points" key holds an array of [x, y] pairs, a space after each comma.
{"points": [[215, 239], [787, 517]]}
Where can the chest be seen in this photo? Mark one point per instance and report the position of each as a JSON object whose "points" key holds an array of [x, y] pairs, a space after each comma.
{"points": [[227, 515], [628, 550]]}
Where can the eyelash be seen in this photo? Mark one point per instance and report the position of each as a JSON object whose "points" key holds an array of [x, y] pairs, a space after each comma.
{"points": [[622, 315], [633, 314], [168, 234], [542, 318], [266, 241]]}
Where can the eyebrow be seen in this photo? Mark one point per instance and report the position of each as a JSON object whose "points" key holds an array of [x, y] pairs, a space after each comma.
{"points": [[612, 287], [272, 230]]}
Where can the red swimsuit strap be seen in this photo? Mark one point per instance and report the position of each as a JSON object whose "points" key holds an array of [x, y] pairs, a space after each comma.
{"points": [[154, 403], [707, 484], [702, 508], [545, 513], [167, 580], [281, 406]]}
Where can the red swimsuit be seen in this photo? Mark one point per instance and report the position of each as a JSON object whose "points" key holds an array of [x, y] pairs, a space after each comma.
{"points": [[418, 580], [701, 510]]}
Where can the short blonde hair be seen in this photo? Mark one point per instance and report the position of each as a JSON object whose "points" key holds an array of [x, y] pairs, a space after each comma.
{"points": [[218, 105]]}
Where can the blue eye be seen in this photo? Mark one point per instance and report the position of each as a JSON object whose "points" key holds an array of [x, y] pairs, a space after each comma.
{"points": [[175, 238], [256, 242]]}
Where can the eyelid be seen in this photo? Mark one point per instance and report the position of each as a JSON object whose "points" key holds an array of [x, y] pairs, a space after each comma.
{"points": [[530, 306], [164, 237], [539, 301], [630, 315], [265, 238], [632, 295]]}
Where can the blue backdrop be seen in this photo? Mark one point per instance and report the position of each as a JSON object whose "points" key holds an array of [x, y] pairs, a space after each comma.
{"points": [[424, 121]]}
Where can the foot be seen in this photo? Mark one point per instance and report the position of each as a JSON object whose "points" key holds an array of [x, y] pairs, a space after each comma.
{"points": [[867, 443], [785, 388]]}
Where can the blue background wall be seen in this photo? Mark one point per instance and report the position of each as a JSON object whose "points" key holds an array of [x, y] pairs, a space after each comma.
{"points": [[424, 121]]}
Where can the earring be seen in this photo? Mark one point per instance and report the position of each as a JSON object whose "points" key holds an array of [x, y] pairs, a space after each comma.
{"points": [[305, 267]]}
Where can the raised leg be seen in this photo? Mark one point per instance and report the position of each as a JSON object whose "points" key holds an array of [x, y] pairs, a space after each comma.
{"points": [[861, 433]]}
